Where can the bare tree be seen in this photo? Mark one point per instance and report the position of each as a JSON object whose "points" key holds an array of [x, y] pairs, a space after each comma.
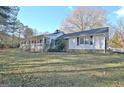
{"points": [[84, 18], [27, 34], [118, 38]]}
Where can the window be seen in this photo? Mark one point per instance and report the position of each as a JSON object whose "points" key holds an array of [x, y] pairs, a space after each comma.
{"points": [[77, 40], [45, 40], [35, 41], [52, 42], [87, 40], [100, 42], [40, 41], [82, 40]]}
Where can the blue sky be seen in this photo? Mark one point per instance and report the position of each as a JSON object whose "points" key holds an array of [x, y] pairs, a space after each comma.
{"points": [[48, 19]]}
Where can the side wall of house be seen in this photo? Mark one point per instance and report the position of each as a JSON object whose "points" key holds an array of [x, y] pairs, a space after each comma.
{"points": [[54, 36], [98, 43], [52, 39]]}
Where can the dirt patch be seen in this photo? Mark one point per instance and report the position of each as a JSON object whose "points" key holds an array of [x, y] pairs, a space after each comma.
{"points": [[4, 50]]}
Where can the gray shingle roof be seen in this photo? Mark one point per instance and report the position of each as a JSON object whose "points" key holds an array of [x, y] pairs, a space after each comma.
{"points": [[88, 32]]}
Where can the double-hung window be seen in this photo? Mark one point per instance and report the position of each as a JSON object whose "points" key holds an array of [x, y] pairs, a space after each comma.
{"points": [[82, 40], [86, 40]]}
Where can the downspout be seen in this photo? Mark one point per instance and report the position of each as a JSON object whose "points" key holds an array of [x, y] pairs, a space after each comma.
{"points": [[106, 39], [105, 44]]}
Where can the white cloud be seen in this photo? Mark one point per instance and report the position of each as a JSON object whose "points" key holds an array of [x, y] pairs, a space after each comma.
{"points": [[120, 12], [70, 8]]}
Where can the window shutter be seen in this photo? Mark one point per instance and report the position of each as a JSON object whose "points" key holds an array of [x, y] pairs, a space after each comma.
{"points": [[91, 40], [77, 40]]}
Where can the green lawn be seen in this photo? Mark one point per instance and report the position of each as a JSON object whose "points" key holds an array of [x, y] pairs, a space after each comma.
{"points": [[18, 68]]}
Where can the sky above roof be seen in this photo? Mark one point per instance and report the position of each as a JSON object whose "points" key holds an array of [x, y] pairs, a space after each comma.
{"points": [[48, 19]]}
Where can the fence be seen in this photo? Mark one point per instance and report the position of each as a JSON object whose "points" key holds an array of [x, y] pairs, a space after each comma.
{"points": [[117, 50]]}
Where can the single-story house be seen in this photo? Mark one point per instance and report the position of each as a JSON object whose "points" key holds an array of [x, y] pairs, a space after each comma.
{"points": [[88, 40]]}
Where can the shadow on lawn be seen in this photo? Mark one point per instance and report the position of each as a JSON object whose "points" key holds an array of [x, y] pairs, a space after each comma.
{"points": [[55, 79], [64, 61], [93, 69], [117, 68]]}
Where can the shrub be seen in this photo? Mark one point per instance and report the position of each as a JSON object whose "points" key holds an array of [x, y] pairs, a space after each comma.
{"points": [[14, 46], [1, 45], [59, 46], [52, 50]]}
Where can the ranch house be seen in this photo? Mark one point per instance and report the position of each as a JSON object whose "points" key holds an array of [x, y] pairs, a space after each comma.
{"points": [[88, 40]]}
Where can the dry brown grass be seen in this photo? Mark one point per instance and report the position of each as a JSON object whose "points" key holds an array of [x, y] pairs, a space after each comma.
{"points": [[19, 68]]}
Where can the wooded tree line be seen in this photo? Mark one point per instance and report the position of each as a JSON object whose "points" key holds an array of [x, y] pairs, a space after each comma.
{"points": [[11, 29]]}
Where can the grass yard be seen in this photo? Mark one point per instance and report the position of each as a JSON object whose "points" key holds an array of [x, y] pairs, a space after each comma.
{"points": [[19, 68]]}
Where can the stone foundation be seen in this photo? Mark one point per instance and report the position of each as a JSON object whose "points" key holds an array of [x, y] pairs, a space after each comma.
{"points": [[85, 51]]}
